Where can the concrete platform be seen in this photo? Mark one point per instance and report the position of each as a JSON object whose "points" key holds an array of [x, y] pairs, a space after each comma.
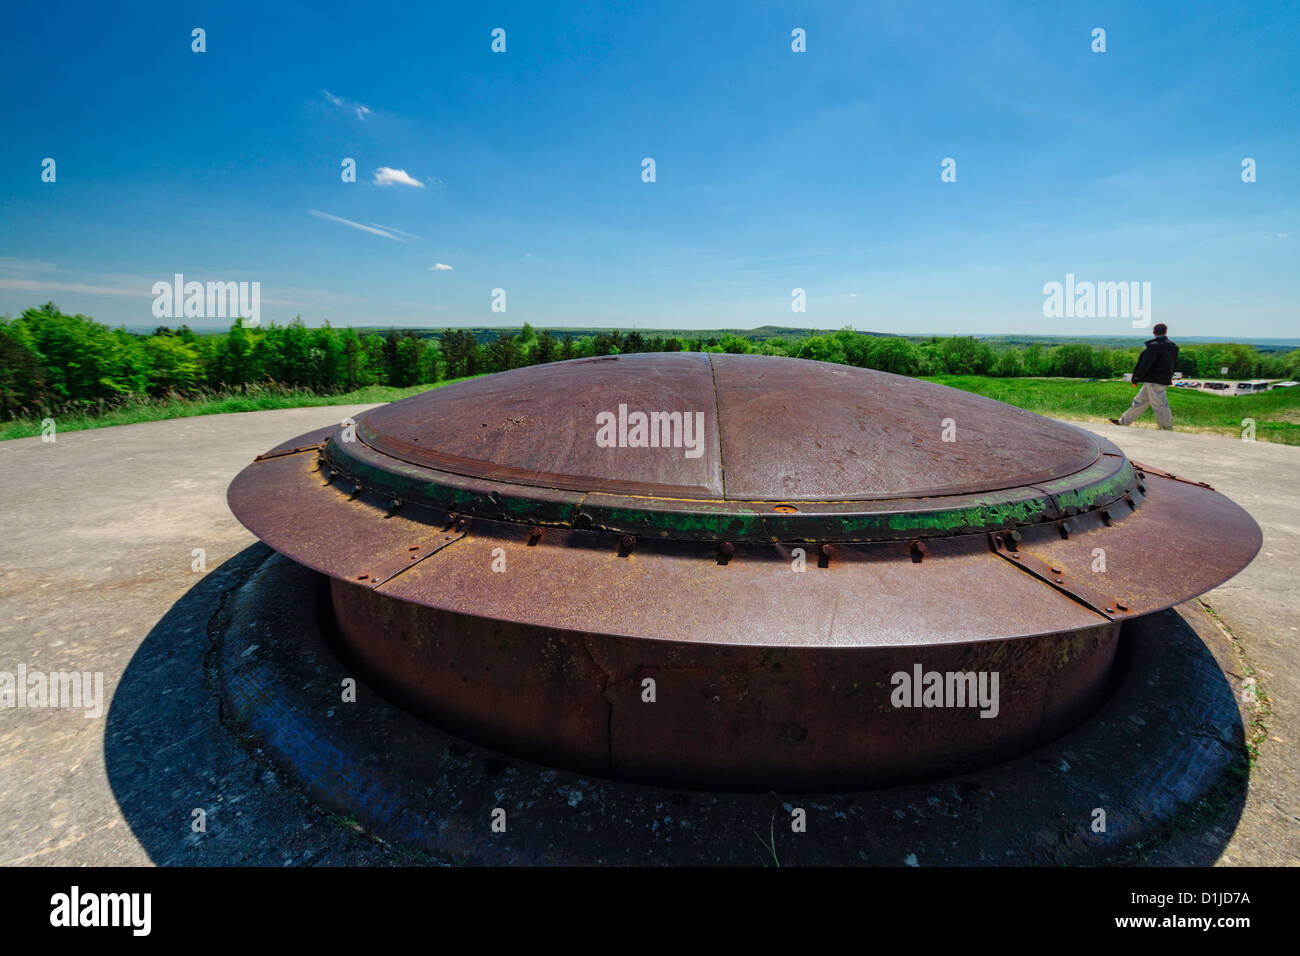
{"points": [[95, 575]]}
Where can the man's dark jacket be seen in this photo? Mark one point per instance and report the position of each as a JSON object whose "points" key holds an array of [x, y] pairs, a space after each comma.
{"points": [[1157, 362]]}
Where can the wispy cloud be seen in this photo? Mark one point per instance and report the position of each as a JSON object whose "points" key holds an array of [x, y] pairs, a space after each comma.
{"points": [[408, 235], [55, 278], [361, 111], [11, 264], [356, 225], [395, 177], [38, 285], [440, 267]]}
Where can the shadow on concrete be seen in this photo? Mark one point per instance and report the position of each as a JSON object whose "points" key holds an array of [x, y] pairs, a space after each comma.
{"points": [[1165, 757], [167, 754]]}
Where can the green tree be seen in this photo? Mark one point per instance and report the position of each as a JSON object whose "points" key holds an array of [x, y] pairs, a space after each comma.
{"points": [[966, 355], [173, 365], [1077, 360], [1009, 364], [84, 360], [503, 353], [22, 369], [408, 361], [545, 349], [895, 355], [1033, 359], [822, 348]]}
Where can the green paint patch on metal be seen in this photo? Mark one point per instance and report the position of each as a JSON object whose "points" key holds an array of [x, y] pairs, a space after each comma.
{"points": [[979, 516], [706, 523], [1098, 493]]}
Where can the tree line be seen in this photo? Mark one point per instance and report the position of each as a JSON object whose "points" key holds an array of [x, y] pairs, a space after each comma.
{"points": [[51, 361]]}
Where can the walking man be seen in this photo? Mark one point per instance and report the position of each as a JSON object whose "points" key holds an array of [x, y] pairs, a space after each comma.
{"points": [[1154, 374]]}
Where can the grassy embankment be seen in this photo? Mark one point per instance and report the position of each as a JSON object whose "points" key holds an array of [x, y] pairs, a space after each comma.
{"points": [[1276, 413]]}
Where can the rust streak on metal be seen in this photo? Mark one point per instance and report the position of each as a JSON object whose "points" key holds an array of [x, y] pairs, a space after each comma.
{"points": [[289, 451], [1164, 474]]}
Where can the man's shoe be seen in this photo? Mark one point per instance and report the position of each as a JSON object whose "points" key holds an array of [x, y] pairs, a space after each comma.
{"points": [[1115, 421], [1166, 428]]}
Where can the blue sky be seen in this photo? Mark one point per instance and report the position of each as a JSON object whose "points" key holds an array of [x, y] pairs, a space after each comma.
{"points": [[774, 169]]}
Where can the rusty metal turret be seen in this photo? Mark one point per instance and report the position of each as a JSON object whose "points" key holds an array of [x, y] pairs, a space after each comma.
{"points": [[709, 570]]}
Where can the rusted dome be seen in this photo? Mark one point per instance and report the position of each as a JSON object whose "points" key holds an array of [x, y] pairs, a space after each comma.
{"points": [[770, 431], [926, 495]]}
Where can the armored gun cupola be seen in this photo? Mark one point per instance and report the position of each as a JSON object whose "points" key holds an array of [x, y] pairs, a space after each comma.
{"points": [[711, 570]]}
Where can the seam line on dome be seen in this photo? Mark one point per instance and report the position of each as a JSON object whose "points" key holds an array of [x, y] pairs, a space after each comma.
{"points": [[717, 426]]}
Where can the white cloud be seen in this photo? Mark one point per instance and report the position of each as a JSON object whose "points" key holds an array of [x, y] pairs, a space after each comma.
{"points": [[395, 177], [440, 267], [356, 225], [361, 111]]}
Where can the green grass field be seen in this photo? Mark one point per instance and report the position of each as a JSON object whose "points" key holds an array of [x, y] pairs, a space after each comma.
{"points": [[159, 409], [1276, 413]]}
